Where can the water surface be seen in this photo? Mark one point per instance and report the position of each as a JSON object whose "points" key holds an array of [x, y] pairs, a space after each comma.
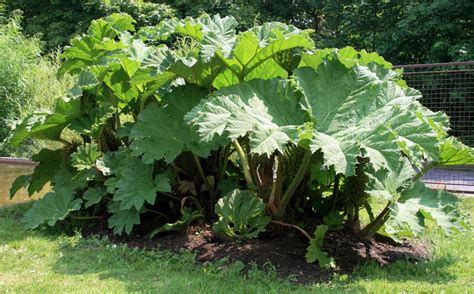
{"points": [[8, 173]]}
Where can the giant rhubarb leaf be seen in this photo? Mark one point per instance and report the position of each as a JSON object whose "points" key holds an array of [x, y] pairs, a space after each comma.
{"points": [[161, 132], [252, 55], [55, 205], [241, 215], [387, 184], [453, 152], [314, 252], [122, 219], [358, 112], [216, 34], [266, 110], [416, 205], [47, 126], [412, 203], [135, 183], [49, 162], [85, 156]]}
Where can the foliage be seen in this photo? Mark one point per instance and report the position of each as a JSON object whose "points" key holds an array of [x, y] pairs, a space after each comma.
{"points": [[314, 251], [402, 31], [58, 21], [27, 81], [166, 118], [187, 218], [241, 215]]}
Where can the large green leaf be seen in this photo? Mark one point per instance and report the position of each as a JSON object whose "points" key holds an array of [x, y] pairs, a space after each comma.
{"points": [[118, 82], [216, 34], [100, 29], [387, 184], [137, 52], [113, 162], [416, 205], [93, 195], [241, 215], [47, 126], [52, 207], [348, 56], [453, 152], [161, 132], [49, 162], [55, 205], [267, 110], [197, 71], [157, 61], [20, 182], [356, 111], [122, 219], [412, 203], [121, 22], [272, 38], [85, 80], [187, 217], [97, 47], [254, 49], [85, 156], [219, 36], [93, 119], [135, 184]]}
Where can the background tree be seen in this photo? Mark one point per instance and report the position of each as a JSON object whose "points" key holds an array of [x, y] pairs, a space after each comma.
{"points": [[401, 31], [60, 20]]}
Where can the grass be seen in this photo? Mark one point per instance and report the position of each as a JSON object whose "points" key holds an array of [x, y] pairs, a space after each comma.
{"points": [[46, 262]]}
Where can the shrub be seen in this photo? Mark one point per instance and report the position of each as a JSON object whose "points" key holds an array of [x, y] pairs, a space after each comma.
{"points": [[163, 130], [27, 81], [56, 22]]}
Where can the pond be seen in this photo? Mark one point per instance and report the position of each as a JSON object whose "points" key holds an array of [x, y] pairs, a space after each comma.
{"points": [[9, 171]]}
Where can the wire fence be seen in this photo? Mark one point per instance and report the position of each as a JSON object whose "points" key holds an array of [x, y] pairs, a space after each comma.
{"points": [[448, 87]]}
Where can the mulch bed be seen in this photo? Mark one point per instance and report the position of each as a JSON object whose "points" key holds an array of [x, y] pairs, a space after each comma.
{"points": [[285, 251]]}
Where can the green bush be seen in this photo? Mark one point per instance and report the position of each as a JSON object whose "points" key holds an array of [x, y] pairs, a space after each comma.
{"points": [[56, 22], [167, 119], [28, 82]]}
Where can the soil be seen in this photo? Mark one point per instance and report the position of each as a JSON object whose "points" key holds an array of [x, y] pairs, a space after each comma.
{"points": [[286, 252]]}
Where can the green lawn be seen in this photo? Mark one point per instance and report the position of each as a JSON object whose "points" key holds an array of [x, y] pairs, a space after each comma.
{"points": [[38, 261]]}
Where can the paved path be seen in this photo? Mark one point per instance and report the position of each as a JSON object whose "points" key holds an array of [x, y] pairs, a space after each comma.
{"points": [[457, 179]]}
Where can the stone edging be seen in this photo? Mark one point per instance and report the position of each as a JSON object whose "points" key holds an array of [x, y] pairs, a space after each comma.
{"points": [[16, 160]]}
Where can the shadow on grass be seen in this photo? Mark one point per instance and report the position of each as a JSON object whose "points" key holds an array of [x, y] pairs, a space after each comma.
{"points": [[145, 271], [11, 228], [141, 270], [151, 271]]}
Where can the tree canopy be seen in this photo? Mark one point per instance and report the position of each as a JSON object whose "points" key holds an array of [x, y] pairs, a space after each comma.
{"points": [[402, 31]]}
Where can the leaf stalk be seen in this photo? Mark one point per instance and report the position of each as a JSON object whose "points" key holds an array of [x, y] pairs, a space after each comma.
{"points": [[244, 161], [293, 185]]}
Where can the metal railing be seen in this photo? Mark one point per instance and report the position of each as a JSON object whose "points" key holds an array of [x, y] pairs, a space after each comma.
{"points": [[448, 87]]}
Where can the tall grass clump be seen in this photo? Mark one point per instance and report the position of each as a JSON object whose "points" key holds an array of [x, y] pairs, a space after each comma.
{"points": [[28, 81]]}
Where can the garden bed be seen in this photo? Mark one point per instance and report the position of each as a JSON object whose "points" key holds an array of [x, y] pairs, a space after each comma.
{"points": [[285, 252]]}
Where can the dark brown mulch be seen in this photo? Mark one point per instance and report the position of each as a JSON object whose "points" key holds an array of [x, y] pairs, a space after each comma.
{"points": [[286, 252]]}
